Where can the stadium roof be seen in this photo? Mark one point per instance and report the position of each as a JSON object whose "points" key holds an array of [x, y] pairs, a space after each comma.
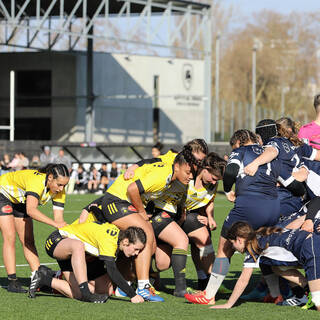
{"points": [[92, 6]]}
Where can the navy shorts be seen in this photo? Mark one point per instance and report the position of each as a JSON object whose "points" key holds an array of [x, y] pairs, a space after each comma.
{"points": [[288, 203], [256, 211], [310, 257]]}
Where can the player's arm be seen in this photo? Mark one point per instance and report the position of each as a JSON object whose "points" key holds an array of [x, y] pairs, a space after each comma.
{"points": [[129, 174], [33, 212], [135, 189], [117, 278], [229, 179], [210, 214], [238, 289], [268, 155]]}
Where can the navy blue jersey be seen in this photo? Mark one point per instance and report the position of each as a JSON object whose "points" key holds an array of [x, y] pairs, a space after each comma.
{"points": [[265, 179], [291, 157], [284, 248]]}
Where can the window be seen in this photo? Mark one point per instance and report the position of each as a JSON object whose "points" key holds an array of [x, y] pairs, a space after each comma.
{"points": [[33, 88]]}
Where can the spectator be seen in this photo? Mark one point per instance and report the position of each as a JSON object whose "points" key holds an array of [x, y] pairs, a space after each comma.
{"points": [[113, 172], [124, 168], [70, 187], [35, 162], [62, 158], [24, 161], [94, 180], [46, 156], [4, 163], [104, 180], [311, 130], [156, 150], [81, 180], [15, 164]]}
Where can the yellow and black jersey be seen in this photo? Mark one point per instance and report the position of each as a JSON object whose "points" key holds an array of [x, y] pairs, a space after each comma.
{"points": [[154, 183], [100, 240], [17, 185], [197, 198], [168, 157]]}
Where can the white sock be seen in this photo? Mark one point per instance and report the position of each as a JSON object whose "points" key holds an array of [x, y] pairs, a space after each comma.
{"points": [[272, 281], [33, 273], [214, 284], [142, 283]]}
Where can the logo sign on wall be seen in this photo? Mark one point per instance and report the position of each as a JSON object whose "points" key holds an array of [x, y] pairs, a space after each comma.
{"points": [[187, 75]]}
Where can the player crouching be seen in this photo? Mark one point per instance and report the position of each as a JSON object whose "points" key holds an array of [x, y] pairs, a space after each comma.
{"points": [[86, 255]]}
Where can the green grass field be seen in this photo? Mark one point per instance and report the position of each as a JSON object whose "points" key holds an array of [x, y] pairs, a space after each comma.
{"points": [[45, 306]]}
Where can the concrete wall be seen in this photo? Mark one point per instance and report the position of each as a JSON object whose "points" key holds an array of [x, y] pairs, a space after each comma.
{"points": [[124, 89]]}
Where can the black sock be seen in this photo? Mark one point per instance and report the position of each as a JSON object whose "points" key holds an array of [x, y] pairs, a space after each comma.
{"points": [[12, 276], [178, 262], [298, 291], [84, 289]]}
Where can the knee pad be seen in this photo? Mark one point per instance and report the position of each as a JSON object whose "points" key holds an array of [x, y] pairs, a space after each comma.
{"points": [[316, 298], [206, 250]]}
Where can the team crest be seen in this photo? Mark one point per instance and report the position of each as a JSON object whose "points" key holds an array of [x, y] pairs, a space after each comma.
{"points": [[256, 149], [187, 75], [286, 147]]}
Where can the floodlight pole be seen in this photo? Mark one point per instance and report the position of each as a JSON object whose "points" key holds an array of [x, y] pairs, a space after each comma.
{"points": [[217, 85], [253, 109], [89, 125]]}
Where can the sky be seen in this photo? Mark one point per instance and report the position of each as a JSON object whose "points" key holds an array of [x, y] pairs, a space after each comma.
{"points": [[282, 6]]}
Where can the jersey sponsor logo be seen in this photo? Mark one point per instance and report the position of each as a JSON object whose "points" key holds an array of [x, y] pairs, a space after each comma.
{"points": [[132, 208], [164, 215], [7, 209]]}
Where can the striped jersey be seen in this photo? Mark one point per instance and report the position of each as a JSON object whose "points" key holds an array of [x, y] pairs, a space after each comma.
{"points": [[197, 198]]}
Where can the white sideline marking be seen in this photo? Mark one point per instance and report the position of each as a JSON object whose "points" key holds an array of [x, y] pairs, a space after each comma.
{"points": [[26, 265]]}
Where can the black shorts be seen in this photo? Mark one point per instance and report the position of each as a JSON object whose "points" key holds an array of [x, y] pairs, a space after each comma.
{"points": [[18, 210], [160, 220], [95, 266], [114, 208], [192, 223]]}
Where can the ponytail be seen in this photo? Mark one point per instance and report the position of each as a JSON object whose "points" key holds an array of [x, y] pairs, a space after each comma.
{"points": [[244, 230]]}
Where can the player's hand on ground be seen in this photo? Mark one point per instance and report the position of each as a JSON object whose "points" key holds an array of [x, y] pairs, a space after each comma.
{"points": [[251, 169], [137, 299], [307, 226], [221, 306]]}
